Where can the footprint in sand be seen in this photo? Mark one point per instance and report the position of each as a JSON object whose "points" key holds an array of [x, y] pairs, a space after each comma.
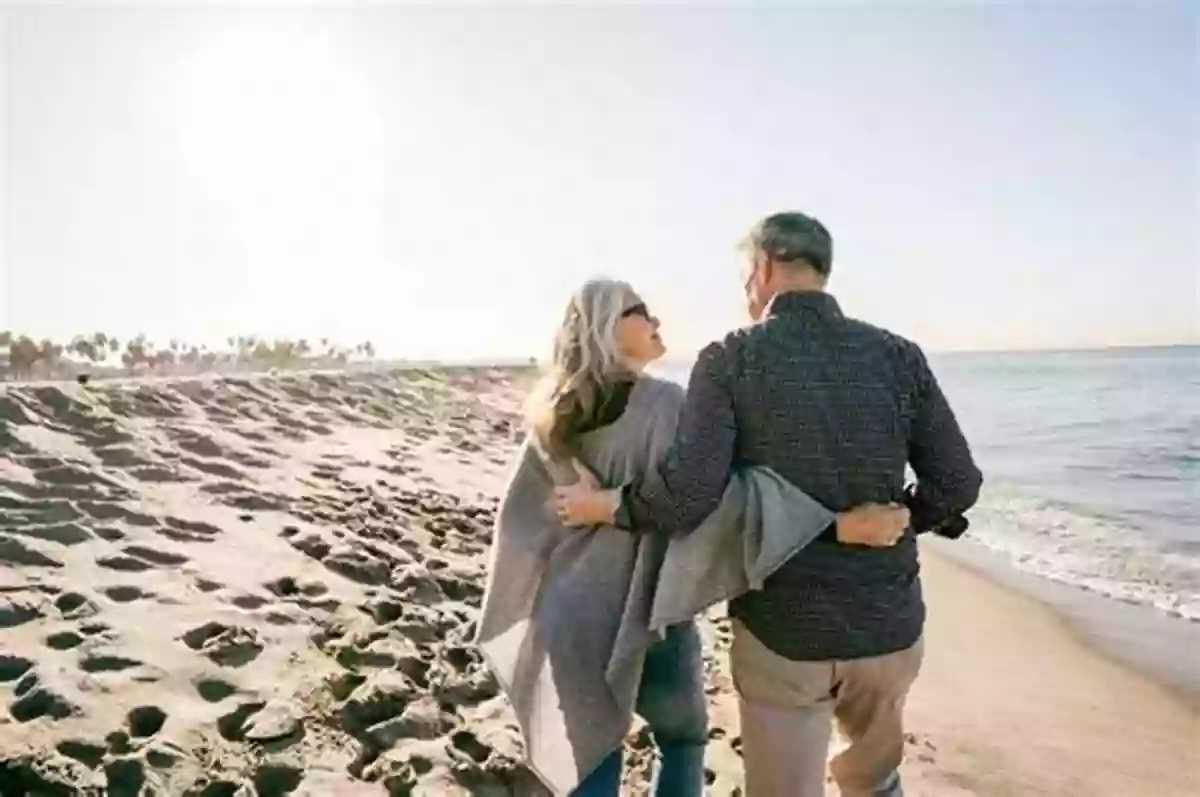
{"points": [[126, 594], [101, 663], [13, 667], [181, 536], [13, 552], [228, 646], [65, 534], [156, 556], [64, 640], [249, 602], [214, 690], [276, 780], [125, 777], [90, 754], [36, 700], [145, 721], [192, 527], [114, 511], [140, 558], [109, 534], [124, 564], [15, 612], [468, 743], [232, 726]]}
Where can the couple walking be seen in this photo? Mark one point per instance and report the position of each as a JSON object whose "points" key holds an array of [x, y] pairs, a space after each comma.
{"points": [[776, 483]]}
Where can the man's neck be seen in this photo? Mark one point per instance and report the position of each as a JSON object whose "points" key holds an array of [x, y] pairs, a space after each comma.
{"points": [[800, 286]]}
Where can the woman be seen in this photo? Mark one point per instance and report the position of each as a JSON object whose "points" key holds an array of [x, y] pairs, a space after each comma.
{"points": [[584, 630]]}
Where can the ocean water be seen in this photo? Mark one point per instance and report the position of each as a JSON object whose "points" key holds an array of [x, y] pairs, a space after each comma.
{"points": [[1091, 463]]}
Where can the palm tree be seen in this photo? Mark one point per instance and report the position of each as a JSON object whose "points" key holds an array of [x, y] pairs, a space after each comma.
{"points": [[23, 354], [261, 353], [84, 347], [162, 360], [245, 348], [136, 353], [51, 353]]}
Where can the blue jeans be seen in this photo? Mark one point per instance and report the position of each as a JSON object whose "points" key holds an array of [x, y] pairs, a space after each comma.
{"points": [[671, 699]]}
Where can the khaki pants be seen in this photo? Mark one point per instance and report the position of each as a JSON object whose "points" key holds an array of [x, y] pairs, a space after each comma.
{"points": [[787, 709]]}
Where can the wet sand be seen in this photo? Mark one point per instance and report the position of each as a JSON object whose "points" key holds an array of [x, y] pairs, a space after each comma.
{"points": [[267, 585], [1014, 701]]}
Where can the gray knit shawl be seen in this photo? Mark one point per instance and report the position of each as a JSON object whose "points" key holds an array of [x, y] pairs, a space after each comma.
{"points": [[568, 614]]}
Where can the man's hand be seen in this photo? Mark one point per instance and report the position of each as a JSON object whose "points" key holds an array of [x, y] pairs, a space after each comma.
{"points": [[873, 525], [584, 503]]}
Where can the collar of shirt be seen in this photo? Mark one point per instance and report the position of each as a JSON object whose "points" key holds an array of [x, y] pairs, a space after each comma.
{"points": [[807, 303]]}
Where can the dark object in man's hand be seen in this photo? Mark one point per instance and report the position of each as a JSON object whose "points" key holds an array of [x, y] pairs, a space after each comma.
{"points": [[953, 528], [83, 378]]}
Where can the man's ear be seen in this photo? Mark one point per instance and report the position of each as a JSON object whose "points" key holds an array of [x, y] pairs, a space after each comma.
{"points": [[766, 270]]}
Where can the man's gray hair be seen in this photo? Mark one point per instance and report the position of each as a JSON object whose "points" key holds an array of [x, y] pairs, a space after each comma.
{"points": [[793, 238]]}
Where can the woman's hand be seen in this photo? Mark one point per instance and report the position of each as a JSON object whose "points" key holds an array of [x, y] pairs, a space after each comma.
{"points": [[873, 525], [585, 503], [580, 505]]}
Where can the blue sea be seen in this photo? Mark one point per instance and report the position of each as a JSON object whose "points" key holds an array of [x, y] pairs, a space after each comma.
{"points": [[1092, 466]]}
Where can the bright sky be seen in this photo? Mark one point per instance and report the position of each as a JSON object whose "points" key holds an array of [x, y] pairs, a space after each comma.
{"points": [[439, 180]]}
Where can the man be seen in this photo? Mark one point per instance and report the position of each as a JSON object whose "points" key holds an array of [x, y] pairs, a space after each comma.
{"points": [[837, 407]]}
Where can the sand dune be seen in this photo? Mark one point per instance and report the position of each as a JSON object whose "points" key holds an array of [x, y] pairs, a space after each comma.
{"points": [[267, 586], [212, 584]]}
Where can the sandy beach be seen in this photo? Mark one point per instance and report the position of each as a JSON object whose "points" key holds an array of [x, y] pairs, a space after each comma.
{"points": [[267, 586]]}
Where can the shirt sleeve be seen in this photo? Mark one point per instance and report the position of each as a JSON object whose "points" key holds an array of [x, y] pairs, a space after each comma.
{"points": [[948, 480], [688, 484]]}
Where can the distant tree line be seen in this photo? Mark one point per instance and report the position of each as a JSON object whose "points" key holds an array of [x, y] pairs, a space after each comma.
{"points": [[100, 353]]}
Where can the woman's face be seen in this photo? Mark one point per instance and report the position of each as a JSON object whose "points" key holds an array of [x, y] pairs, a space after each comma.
{"points": [[637, 337]]}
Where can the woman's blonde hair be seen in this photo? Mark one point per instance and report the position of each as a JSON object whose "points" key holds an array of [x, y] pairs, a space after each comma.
{"points": [[585, 365]]}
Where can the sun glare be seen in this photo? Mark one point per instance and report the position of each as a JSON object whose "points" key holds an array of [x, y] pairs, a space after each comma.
{"points": [[271, 115]]}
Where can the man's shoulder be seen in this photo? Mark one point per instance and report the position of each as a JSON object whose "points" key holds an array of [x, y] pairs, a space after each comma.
{"points": [[752, 342], [895, 343], [750, 335], [735, 340]]}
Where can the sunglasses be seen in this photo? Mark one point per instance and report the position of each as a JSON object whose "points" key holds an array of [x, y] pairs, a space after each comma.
{"points": [[637, 309]]}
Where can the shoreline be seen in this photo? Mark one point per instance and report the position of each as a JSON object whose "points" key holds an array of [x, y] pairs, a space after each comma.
{"points": [[1015, 699], [1148, 642]]}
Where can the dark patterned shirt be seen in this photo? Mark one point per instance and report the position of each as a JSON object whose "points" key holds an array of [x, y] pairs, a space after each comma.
{"points": [[838, 408]]}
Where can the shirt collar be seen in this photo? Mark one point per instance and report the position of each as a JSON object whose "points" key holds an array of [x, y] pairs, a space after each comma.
{"points": [[809, 303]]}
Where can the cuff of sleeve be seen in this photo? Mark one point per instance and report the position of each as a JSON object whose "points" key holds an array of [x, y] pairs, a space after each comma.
{"points": [[922, 517], [623, 517]]}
